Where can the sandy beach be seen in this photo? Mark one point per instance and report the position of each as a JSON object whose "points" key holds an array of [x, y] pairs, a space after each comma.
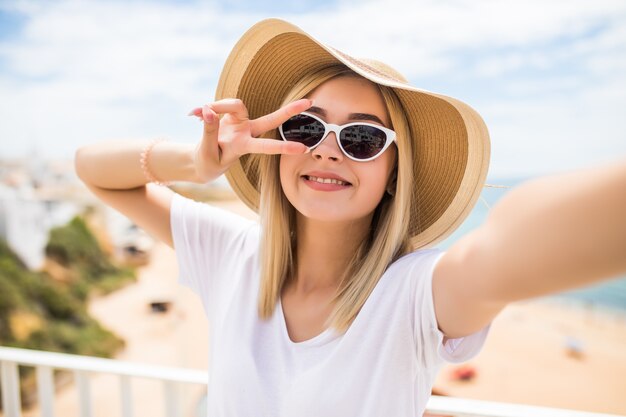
{"points": [[524, 359]]}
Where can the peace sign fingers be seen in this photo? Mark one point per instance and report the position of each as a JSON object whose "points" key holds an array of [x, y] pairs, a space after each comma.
{"points": [[275, 119]]}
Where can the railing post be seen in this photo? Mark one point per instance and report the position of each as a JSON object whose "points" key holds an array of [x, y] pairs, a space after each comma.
{"points": [[10, 389], [84, 393], [126, 395], [172, 399], [45, 390]]}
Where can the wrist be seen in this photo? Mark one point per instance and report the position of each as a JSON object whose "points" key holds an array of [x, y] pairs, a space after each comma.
{"points": [[144, 162]]}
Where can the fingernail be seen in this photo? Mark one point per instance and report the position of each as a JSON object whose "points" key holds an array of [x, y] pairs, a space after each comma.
{"points": [[210, 117], [194, 111]]}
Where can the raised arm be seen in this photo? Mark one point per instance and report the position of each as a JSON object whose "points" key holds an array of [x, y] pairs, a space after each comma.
{"points": [[548, 235], [112, 169]]}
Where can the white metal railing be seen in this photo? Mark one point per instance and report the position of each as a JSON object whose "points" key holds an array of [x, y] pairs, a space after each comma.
{"points": [[460, 407], [83, 366]]}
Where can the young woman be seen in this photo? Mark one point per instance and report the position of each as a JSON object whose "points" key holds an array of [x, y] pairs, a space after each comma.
{"points": [[337, 303]]}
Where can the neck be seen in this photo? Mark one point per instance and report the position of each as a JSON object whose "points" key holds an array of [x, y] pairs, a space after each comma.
{"points": [[324, 251]]}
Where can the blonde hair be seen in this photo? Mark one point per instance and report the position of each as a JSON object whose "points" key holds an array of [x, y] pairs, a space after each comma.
{"points": [[387, 241]]}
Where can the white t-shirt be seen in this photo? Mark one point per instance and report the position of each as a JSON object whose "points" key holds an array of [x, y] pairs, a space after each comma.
{"points": [[383, 365]]}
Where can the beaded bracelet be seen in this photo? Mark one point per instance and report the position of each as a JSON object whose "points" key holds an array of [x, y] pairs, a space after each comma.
{"points": [[143, 160]]}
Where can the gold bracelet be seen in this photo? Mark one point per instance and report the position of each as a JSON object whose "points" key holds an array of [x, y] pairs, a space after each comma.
{"points": [[143, 160]]}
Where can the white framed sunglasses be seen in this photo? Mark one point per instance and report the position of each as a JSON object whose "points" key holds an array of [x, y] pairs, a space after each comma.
{"points": [[359, 141]]}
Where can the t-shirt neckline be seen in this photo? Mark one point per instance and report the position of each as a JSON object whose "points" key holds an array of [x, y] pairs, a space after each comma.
{"points": [[324, 337]]}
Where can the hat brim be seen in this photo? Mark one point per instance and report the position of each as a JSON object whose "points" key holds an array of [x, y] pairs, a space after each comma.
{"points": [[450, 139]]}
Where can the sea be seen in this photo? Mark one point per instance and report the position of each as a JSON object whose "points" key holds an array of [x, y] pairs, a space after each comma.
{"points": [[607, 296]]}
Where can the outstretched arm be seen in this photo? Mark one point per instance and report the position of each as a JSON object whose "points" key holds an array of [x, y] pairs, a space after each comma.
{"points": [[548, 235]]}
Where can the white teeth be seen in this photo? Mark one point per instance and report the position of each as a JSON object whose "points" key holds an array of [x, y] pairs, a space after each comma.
{"points": [[326, 180]]}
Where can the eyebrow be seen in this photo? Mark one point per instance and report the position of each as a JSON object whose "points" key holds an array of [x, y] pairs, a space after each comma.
{"points": [[351, 116]]}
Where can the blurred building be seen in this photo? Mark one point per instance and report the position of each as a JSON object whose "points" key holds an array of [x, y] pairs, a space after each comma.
{"points": [[26, 216], [37, 195]]}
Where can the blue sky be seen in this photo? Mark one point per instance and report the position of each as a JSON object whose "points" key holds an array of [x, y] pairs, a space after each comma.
{"points": [[548, 77]]}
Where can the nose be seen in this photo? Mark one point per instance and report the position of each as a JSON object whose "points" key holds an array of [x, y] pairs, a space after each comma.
{"points": [[328, 149]]}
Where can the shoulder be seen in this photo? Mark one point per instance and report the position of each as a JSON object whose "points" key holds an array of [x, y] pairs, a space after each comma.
{"points": [[209, 225], [412, 269], [422, 260]]}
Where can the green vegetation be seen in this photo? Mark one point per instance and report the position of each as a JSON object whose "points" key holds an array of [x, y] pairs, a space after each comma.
{"points": [[39, 312], [75, 247]]}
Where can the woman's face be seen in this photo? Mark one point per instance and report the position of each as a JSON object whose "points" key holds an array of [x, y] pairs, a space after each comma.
{"points": [[334, 102]]}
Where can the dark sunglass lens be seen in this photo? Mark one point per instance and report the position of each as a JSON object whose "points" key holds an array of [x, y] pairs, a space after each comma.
{"points": [[362, 142], [304, 129]]}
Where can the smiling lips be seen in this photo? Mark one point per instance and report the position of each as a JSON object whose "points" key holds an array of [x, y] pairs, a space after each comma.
{"points": [[325, 184], [326, 180]]}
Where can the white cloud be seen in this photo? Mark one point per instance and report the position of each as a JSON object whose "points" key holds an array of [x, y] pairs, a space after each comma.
{"points": [[86, 71], [399, 29]]}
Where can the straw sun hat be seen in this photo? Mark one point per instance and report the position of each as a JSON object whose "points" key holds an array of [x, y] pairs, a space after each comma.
{"points": [[450, 140]]}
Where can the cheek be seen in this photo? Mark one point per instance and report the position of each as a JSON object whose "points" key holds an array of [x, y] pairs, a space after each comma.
{"points": [[377, 176], [376, 185]]}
